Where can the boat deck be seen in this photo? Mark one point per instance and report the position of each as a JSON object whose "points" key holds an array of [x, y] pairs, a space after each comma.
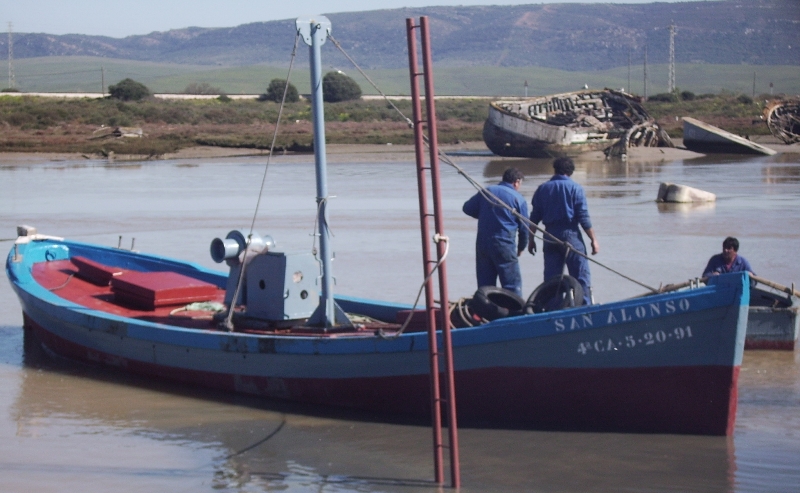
{"points": [[92, 288]]}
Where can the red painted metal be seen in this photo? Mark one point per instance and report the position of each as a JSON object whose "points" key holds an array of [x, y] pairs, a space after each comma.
{"points": [[437, 403], [438, 215], [436, 416], [772, 345]]}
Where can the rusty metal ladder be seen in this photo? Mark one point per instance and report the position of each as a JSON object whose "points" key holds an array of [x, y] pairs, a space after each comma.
{"points": [[439, 404]]}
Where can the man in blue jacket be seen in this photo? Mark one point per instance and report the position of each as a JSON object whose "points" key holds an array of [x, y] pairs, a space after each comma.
{"points": [[501, 214], [560, 204], [727, 261]]}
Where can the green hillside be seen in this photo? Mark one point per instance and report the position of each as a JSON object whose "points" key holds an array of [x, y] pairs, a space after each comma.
{"points": [[85, 74]]}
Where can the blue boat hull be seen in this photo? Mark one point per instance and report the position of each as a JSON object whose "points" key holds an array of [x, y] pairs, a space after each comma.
{"points": [[665, 363]]}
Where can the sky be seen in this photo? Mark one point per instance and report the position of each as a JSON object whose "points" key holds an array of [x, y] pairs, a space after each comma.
{"points": [[119, 19]]}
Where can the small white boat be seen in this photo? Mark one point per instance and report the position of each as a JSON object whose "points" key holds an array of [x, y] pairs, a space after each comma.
{"points": [[772, 321]]}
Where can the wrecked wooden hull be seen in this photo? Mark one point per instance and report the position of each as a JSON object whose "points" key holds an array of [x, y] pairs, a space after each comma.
{"points": [[569, 124], [783, 120]]}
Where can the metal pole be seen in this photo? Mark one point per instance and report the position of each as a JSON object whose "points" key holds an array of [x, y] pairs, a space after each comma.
{"points": [[629, 88], [427, 263], [438, 215], [645, 72], [315, 32]]}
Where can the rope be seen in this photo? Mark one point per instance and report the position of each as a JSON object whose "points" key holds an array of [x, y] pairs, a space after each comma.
{"points": [[228, 323], [315, 234], [532, 228], [336, 43], [437, 238], [63, 285]]}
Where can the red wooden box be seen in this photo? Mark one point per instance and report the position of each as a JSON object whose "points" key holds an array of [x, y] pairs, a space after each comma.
{"points": [[95, 272], [149, 290]]}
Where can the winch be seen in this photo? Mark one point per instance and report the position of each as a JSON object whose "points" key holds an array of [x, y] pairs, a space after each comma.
{"points": [[275, 286]]}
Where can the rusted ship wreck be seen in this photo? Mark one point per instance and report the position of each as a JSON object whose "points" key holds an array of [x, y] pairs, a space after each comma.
{"points": [[571, 123], [783, 119]]}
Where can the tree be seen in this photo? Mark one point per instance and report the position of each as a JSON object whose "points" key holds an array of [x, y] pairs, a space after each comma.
{"points": [[128, 90], [275, 92], [336, 86]]}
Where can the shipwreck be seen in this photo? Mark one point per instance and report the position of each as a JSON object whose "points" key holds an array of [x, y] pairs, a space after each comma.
{"points": [[783, 119], [571, 123]]}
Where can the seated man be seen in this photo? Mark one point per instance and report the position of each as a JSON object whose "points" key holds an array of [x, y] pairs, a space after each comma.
{"points": [[727, 261]]}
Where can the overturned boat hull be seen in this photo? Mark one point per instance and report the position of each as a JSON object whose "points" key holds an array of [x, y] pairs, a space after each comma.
{"points": [[570, 124], [704, 138], [667, 363]]}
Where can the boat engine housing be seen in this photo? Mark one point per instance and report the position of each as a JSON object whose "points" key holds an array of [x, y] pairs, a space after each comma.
{"points": [[282, 286]]}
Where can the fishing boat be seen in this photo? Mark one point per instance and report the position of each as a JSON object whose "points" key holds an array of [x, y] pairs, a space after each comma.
{"points": [[571, 123], [665, 363], [272, 326]]}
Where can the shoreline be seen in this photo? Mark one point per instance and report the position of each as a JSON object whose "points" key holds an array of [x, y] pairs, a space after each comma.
{"points": [[382, 152]]}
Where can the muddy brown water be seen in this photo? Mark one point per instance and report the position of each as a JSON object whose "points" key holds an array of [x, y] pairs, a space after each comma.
{"points": [[69, 427]]}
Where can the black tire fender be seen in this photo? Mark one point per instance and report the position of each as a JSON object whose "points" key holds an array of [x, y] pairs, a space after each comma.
{"points": [[555, 294], [491, 303]]}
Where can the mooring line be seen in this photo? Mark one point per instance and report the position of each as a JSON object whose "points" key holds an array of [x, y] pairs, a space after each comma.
{"points": [[532, 228], [228, 324]]}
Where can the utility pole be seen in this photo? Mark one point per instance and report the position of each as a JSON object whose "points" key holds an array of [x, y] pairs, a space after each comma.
{"points": [[671, 85], [629, 72], [645, 72], [526, 88], [11, 81]]}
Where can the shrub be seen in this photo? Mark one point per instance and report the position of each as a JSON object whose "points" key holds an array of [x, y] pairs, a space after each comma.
{"points": [[224, 98], [201, 88], [128, 90], [336, 86], [275, 92], [664, 97], [687, 96], [745, 99], [10, 89]]}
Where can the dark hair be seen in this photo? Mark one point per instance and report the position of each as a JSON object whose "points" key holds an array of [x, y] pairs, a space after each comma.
{"points": [[512, 174], [732, 242], [564, 166]]}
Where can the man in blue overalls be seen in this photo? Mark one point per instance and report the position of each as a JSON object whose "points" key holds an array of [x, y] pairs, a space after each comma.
{"points": [[497, 250], [727, 261], [560, 204]]}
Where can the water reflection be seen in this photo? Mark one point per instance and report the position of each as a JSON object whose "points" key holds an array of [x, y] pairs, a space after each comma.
{"points": [[781, 174], [237, 441], [685, 207], [530, 167]]}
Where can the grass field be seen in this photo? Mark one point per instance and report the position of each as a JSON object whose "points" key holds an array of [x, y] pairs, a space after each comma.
{"points": [[87, 74]]}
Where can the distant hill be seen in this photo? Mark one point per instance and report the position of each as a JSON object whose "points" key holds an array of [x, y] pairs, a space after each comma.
{"points": [[562, 36]]}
